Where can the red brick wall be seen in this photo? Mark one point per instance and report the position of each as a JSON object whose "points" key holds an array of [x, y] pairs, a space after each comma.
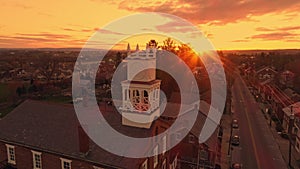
{"points": [[24, 159]]}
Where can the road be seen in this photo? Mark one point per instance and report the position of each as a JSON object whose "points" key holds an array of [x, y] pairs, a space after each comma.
{"points": [[258, 148]]}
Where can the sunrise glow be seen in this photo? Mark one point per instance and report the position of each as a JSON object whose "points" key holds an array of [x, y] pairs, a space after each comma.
{"points": [[229, 25]]}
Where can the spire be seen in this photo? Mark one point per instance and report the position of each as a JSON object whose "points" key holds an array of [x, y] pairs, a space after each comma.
{"points": [[137, 47], [128, 47], [128, 50]]}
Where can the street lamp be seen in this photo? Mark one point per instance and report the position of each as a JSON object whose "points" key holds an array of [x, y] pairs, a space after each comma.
{"points": [[291, 124]]}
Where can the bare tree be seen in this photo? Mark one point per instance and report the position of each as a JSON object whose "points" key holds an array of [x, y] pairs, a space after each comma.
{"points": [[47, 66]]}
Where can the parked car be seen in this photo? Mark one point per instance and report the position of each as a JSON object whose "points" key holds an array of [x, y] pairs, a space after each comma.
{"points": [[235, 123], [235, 140]]}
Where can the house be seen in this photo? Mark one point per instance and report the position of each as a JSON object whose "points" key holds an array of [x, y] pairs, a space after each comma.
{"points": [[292, 94], [286, 78], [260, 78], [265, 73], [277, 100], [290, 113]]}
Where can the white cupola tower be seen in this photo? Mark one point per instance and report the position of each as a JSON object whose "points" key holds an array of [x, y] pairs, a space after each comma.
{"points": [[140, 92]]}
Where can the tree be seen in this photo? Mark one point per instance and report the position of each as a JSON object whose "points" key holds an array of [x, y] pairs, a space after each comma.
{"points": [[169, 45], [118, 58], [19, 91], [47, 67], [183, 51]]}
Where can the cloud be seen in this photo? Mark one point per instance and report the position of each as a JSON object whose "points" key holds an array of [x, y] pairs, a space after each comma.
{"points": [[241, 40], [173, 26], [105, 31], [213, 11], [283, 36], [288, 28], [39, 40], [263, 29], [77, 30], [23, 6], [45, 35]]}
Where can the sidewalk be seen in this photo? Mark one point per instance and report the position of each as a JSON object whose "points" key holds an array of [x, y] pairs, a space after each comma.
{"points": [[282, 143], [226, 124]]}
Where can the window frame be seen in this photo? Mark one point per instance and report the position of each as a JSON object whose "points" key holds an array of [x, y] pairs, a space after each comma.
{"points": [[67, 161], [35, 161], [9, 160], [145, 164], [95, 167], [164, 164]]}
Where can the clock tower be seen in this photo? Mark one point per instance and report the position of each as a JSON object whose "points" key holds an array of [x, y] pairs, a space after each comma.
{"points": [[140, 92]]}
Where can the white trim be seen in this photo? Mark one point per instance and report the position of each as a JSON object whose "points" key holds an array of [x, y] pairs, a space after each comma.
{"points": [[67, 161], [9, 155], [95, 167], [34, 159], [164, 164], [145, 164], [155, 157], [164, 144]]}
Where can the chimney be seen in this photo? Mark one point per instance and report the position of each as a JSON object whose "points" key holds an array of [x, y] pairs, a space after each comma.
{"points": [[84, 144]]}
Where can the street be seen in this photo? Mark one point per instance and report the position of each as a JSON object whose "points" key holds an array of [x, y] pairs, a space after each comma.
{"points": [[258, 148]]}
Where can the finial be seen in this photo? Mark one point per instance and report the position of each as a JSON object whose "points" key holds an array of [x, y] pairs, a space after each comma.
{"points": [[128, 47]]}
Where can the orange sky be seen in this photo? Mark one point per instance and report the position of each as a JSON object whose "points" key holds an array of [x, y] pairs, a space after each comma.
{"points": [[229, 24]]}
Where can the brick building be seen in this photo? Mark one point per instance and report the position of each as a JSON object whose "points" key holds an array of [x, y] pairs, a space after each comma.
{"points": [[42, 135]]}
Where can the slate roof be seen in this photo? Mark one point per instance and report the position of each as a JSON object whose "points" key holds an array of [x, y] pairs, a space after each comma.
{"points": [[54, 127]]}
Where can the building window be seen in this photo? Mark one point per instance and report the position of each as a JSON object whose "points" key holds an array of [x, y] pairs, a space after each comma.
{"points": [[37, 160], [145, 164], [65, 164], [11, 156], [155, 157]]}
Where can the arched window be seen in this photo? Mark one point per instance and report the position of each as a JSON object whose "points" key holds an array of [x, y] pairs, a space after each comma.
{"points": [[145, 93]]}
